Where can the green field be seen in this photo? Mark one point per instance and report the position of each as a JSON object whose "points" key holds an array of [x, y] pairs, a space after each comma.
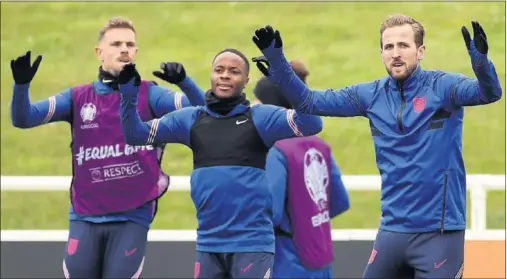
{"points": [[338, 41]]}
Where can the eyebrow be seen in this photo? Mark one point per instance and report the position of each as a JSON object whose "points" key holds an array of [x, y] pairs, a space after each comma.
{"points": [[128, 42], [230, 67]]}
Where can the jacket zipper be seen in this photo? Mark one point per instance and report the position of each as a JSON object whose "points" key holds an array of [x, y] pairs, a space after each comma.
{"points": [[444, 202], [402, 107]]}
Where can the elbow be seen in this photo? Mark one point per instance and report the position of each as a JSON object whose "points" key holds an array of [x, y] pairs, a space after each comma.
{"points": [[130, 140], [490, 94], [316, 127], [496, 95], [133, 141], [346, 205], [19, 123], [342, 207]]}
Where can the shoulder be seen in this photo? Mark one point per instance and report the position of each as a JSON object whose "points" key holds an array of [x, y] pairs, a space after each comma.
{"points": [[189, 111], [263, 113], [439, 78], [368, 88], [78, 91], [79, 88], [263, 109]]}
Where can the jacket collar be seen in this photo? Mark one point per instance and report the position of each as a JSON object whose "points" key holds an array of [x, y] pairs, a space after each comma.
{"points": [[409, 83], [238, 109]]}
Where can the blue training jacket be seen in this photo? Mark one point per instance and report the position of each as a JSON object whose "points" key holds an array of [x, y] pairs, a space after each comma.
{"points": [[287, 263], [233, 202], [417, 132]]}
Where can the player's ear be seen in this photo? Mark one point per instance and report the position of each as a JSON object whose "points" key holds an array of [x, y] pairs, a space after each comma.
{"points": [[420, 52], [98, 52]]}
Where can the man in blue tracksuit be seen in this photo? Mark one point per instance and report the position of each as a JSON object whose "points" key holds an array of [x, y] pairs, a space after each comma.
{"points": [[105, 242], [229, 141], [416, 119], [307, 194]]}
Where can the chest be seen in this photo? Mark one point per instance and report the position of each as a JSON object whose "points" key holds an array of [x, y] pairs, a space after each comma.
{"points": [[236, 132], [94, 112], [402, 112], [226, 141]]}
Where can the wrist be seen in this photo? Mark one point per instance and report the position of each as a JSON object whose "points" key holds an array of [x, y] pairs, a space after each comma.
{"points": [[478, 59], [184, 82], [273, 53], [21, 86], [127, 89]]}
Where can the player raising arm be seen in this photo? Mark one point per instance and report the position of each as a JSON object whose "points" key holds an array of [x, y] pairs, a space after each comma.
{"points": [[115, 187], [416, 122], [229, 141]]}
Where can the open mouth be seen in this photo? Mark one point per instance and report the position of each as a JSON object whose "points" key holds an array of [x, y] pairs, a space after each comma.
{"points": [[124, 60], [224, 87], [398, 64]]}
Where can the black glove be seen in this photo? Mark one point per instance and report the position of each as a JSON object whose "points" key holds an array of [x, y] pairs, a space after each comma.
{"points": [[265, 36], [22, 71], [480, 39], [173, 72], [129, 80], [128, 73], [262, 67]]}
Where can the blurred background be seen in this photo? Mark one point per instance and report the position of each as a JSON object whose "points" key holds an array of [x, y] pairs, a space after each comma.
{"points": [[339, 42]]}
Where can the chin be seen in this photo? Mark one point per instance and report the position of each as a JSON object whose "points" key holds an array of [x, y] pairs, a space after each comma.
{"points": [[398, 76], [222, 94]]}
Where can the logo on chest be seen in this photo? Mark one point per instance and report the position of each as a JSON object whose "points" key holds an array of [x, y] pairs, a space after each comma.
{"points": [[419, 103], [88, 113]]}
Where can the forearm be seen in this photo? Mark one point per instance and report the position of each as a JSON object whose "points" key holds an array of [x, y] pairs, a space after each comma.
{"points": [[296, 92], [344, 102], [194, 94], [27, 115], [135, 131], [489, 89]]}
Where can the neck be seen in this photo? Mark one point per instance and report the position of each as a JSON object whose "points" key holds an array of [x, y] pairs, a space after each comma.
{"points": [[109, 71], [224, 105]]}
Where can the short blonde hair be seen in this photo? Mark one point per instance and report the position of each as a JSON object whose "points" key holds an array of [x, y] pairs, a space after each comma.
{"points": [[114, 23], [399, 20]]}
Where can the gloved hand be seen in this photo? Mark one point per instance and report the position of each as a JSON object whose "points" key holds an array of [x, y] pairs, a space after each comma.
{"points": [[480, 40], [22, 70], [265, 36], [173, 72], [129, 80], [262, 67]]}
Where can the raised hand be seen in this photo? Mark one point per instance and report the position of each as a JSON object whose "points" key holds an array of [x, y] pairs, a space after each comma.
{"points": [[129, 80], [22, 69], [172, 72], [265, 36], [480, 41]]}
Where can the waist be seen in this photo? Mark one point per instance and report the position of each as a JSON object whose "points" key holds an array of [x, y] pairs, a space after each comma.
{"points": [[236, 241]]}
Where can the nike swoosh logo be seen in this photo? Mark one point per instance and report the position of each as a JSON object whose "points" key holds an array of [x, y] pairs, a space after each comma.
{"points": [[240, 122], [247, 268], [128, 253], [440, 264]]}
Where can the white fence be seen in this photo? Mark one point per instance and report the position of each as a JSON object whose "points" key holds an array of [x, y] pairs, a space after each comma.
{"points": [[190, 235], [478, 185]]}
